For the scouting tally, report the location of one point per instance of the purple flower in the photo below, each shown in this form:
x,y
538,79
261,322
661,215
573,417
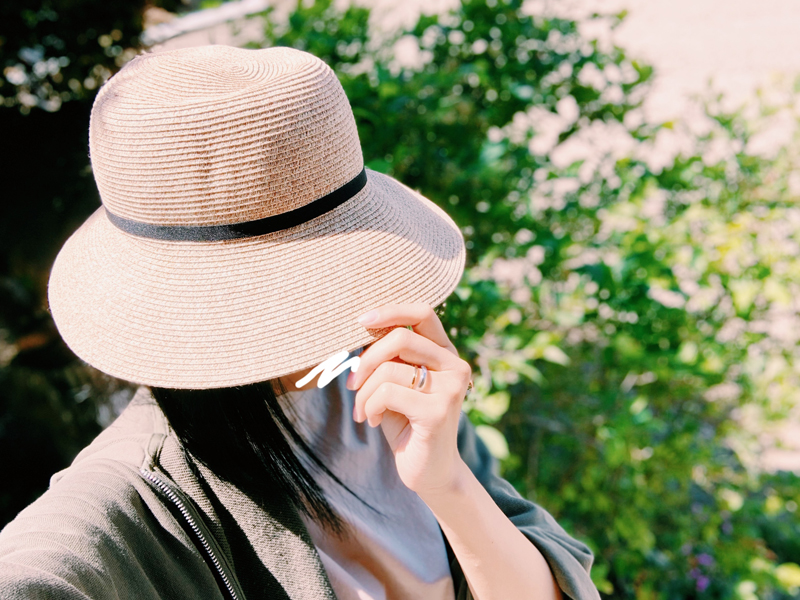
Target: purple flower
x,y
727,528
695,573
705,559
702,583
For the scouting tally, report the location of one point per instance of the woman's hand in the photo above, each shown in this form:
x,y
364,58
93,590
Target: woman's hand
x,y
420,425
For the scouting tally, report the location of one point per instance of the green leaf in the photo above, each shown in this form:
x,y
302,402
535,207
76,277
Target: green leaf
x,y
494,440
556,355
788,575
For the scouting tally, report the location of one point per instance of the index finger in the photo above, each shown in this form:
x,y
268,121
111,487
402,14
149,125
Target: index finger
x,y
421,316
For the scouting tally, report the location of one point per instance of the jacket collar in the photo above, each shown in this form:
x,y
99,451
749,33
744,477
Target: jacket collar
x,y
268,548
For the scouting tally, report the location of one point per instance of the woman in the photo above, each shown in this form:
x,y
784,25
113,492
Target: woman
x,y
239,239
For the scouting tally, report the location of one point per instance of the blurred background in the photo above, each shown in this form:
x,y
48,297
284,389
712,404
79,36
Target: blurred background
x,y
625,175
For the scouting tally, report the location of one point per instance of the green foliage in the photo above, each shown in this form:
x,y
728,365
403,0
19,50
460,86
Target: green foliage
x,y
630,318
54,55
616,310
55,51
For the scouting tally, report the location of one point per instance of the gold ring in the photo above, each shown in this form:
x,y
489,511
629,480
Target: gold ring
x,y
422,379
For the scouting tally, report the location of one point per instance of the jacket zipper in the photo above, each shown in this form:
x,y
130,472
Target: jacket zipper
x,y
169,493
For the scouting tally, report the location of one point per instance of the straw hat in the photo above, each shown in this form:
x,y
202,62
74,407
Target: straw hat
x,y
239,235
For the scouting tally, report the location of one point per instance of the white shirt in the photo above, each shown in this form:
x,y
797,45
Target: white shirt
x,y
401,556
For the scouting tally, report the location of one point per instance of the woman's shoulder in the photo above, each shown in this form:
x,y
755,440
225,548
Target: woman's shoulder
x,y
99,531
105,473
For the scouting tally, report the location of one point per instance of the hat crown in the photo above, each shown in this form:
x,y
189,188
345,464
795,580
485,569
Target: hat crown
x,y
216,135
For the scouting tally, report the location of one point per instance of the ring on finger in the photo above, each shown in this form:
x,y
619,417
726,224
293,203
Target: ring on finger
x,y
418,386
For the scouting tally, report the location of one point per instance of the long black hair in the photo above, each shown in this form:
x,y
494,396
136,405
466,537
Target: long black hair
x,y
243,435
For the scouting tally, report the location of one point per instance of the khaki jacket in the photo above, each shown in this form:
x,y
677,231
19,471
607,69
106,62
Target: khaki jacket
x,y
130,519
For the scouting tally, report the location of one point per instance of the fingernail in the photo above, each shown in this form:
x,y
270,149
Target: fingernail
x,y
369,317
350,379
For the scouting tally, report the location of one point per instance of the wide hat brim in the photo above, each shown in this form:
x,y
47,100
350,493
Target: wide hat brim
x,y
200,315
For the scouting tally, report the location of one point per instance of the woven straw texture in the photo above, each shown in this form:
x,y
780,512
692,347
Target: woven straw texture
x,y
218,135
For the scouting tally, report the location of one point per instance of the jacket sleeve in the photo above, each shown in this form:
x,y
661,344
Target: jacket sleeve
x,y
569,559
